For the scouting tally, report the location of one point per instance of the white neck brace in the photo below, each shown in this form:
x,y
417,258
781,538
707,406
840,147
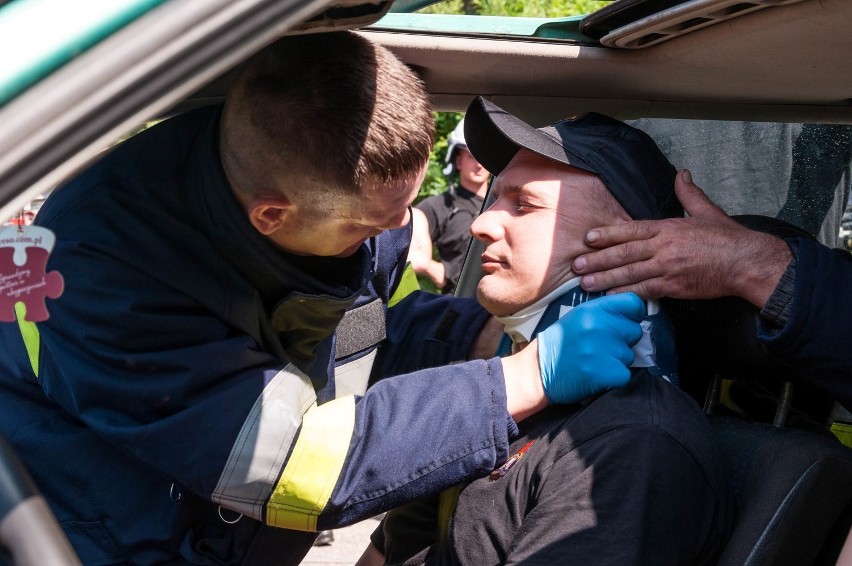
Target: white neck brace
x,y
521,325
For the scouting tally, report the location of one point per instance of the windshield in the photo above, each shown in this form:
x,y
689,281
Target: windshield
x,y
796,172
558,20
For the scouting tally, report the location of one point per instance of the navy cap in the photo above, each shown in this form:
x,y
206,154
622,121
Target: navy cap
x,y
627,160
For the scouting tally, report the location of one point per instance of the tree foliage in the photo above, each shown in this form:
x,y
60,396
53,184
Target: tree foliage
x,y
435,181
517,8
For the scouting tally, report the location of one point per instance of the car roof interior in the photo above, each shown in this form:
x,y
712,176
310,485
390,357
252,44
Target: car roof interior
x,y
786,62
755,60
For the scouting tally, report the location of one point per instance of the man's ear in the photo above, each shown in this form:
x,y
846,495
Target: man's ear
x,y
268,214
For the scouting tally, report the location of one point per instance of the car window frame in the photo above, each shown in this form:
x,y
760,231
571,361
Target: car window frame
x,y
55,127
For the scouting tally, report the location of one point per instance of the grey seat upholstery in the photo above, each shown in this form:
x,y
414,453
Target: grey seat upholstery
x,y
792,491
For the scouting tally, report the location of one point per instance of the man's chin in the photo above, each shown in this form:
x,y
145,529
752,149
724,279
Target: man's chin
x,y
490,300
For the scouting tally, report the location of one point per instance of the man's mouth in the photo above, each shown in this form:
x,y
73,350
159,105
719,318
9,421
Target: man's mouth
x,y
491,263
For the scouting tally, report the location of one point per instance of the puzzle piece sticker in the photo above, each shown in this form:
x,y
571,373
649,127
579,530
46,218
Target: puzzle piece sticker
x,y
23,277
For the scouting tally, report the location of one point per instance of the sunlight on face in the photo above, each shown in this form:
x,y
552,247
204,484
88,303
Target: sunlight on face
x,y
533,231
340,227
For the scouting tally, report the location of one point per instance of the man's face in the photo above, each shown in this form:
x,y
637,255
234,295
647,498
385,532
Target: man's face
x,y
533,231
340,227
472,175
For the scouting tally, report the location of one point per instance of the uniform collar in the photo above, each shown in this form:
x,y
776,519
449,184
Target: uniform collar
x,y
272,271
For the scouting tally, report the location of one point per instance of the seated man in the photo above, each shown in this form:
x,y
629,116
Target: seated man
x,y
632,476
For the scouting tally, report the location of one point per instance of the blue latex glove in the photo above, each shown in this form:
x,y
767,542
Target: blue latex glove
x,y
589,349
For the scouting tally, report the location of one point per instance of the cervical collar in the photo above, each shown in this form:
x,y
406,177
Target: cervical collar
x,y
655,350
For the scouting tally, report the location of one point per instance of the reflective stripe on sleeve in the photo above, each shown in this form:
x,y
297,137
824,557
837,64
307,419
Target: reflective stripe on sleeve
x,y
261,448
314,467
29,332
407,285
353,378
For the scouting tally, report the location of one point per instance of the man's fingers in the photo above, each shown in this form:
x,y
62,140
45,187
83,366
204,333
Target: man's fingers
x,y
639,278
606,236
626,355
646,289
627,305
608,272
626,310
615,256
693,199
654,257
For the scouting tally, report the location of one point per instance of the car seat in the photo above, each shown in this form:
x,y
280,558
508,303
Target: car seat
x,y
791,479
29,533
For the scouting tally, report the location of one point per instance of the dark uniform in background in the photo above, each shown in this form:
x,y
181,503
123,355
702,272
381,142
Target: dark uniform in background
x,y
450,215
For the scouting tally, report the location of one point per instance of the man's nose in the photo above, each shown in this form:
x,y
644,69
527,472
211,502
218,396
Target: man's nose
x,y
485,228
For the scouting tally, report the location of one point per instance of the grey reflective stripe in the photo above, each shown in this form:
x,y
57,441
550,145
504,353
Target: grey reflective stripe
x,y
267,435
352,378
261,448
360,329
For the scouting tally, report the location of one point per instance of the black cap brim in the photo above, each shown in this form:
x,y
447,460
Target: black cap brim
x,y
628,161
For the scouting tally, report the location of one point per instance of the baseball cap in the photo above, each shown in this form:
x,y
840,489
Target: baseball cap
x,y
627,159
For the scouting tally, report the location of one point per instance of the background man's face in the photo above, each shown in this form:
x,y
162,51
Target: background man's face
x,y
472,174
533,231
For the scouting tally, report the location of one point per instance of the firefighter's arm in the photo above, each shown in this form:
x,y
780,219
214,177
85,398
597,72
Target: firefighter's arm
x,y
420,252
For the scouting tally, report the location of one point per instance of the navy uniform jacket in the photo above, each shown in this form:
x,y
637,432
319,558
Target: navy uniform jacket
x,y
189,400
816,331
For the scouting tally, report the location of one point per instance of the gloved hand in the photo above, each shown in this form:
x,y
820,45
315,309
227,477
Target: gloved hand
x,y
588,350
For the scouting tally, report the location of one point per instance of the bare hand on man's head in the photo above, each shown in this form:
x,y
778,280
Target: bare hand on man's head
x,y
703,256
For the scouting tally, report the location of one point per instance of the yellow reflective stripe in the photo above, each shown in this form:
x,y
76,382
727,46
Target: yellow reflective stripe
x,y
314,466
843,432
447,503
260,451
726,399
407,285
29,332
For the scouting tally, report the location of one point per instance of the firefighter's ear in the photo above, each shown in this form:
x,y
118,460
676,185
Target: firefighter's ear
x,y
268,214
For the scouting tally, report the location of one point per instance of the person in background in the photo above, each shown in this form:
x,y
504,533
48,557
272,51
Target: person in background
x,y
446,218
632,476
